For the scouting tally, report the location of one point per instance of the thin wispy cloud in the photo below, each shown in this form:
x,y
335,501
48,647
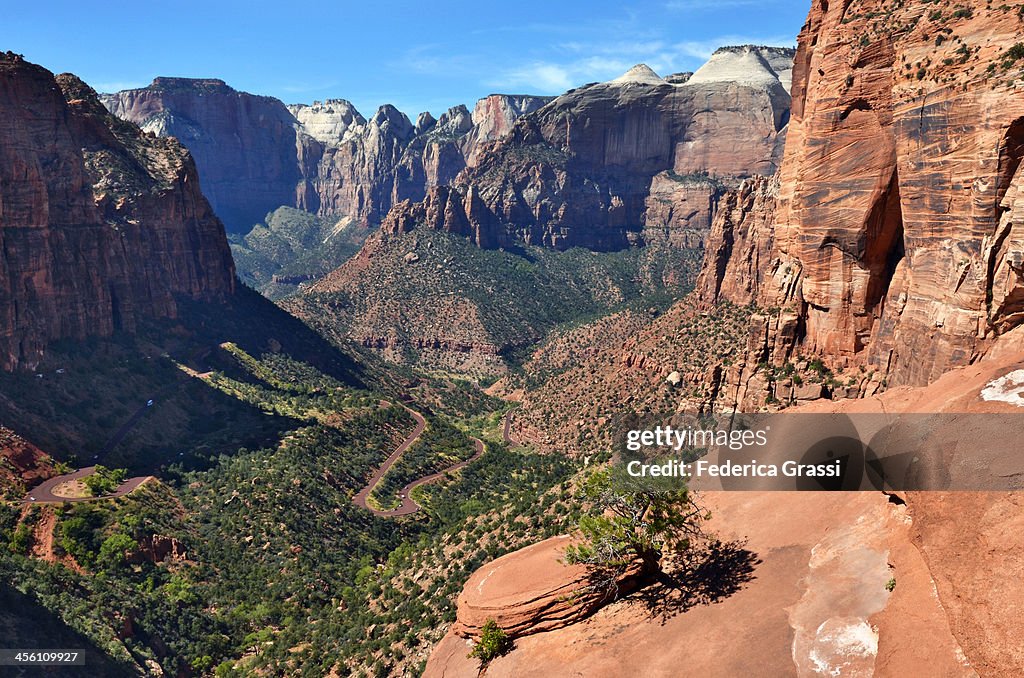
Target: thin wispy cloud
x,y
433,59
553,57
540,77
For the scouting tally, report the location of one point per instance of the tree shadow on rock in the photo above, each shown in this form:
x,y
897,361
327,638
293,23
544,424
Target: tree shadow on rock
x,y
703,576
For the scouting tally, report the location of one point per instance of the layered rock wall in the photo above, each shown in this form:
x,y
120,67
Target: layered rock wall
x,y
608,165
256,154
100,223
246,147
896,232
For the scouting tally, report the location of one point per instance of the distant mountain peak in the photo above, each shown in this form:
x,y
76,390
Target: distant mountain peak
x,y
761,49
198,84
749,65
641,74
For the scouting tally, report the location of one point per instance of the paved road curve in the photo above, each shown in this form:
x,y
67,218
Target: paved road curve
x,y
421,425
43,493
408,506
506,433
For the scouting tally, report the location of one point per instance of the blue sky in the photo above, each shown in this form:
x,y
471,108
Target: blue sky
x,y
416,55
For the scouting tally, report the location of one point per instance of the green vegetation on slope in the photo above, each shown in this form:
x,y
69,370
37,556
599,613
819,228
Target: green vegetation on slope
x,y
291,247
83,393
583,385
256,560
454,301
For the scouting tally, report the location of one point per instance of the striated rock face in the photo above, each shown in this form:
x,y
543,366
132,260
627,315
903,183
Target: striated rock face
x,y
680,209
897,230
739,244
593,168
353,177
246,147
737,98
494,116
600,164
530,591
890,249
100,224
256,154
747,64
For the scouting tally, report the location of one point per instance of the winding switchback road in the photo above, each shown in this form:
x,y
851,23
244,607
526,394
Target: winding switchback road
x,y
408,506
43,493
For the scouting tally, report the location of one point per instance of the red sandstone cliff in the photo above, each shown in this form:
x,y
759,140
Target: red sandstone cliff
x,y
738,247
896,237
100,224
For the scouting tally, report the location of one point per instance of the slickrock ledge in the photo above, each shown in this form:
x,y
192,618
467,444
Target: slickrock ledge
x,y
816,603
530,591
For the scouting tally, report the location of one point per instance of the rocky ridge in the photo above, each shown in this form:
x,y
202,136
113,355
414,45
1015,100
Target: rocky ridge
x,y
635,161
256,154
101,223
433,299
610,164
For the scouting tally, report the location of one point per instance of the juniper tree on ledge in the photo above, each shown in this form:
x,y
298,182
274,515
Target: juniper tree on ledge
x,y
632,522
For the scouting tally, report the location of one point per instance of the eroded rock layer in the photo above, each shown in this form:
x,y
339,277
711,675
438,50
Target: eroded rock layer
x,y
100,223
256,154
609,164
530,591
897,240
